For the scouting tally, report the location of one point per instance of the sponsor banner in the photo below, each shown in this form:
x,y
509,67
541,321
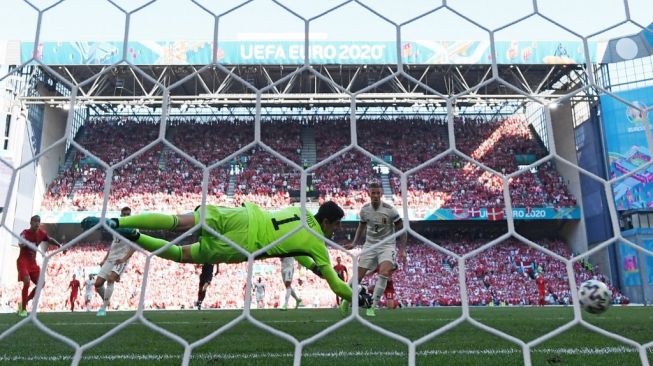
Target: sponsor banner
x,y
648,244
625,137
320,52
426,214
630,265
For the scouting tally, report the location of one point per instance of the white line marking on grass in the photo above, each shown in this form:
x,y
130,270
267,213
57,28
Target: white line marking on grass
x,y
226,321
260,355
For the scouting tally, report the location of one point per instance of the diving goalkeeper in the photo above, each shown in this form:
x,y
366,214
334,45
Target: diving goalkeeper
x,y
249,227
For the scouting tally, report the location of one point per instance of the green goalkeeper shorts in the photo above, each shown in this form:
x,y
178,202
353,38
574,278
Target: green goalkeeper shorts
x,y
233,224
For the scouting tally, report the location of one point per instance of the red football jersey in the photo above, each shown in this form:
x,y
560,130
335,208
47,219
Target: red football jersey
x,y
33,237
74,286
340,270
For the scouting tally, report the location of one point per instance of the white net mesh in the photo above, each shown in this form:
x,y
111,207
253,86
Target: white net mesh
x,y
538,14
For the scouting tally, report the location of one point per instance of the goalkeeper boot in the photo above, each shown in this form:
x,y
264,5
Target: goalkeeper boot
x,y
370,312
344,307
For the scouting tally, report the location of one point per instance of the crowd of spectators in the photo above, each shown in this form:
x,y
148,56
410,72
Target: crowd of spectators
x,y
163,179
501,275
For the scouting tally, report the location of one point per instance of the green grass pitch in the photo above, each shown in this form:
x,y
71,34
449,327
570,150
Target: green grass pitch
x,y
352,344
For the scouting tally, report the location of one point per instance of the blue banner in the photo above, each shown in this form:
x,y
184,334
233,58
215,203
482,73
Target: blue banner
x,y
627,147
426,214
629,265
320,52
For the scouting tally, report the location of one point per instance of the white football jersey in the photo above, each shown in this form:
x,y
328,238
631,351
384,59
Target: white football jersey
x,y
260,288
380,222
118,250
89,286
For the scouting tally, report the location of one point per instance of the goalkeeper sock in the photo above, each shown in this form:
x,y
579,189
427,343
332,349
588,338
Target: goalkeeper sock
x,y
151,244
379,289
150,221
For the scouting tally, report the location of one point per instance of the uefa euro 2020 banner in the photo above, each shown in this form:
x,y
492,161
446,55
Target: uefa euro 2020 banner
x,y
421,214
432,52
625,136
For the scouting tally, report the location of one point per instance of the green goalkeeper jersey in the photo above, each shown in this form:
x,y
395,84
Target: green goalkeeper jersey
x,y
309,250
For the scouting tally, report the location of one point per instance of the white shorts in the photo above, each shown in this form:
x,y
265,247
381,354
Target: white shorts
x,y
287,274
88,296
109,267
259,297
370,259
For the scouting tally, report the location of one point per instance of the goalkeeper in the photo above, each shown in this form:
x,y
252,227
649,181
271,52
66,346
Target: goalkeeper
x,y
249,227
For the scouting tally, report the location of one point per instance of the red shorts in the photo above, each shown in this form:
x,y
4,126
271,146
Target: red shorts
x,y
73,295
28,268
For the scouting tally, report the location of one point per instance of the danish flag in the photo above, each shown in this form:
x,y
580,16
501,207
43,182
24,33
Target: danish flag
x,y
494,213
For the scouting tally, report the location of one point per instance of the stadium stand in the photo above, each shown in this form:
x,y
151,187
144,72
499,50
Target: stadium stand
x,y
503,275
257,176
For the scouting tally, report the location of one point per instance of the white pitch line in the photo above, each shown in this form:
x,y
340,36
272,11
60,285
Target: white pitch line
x,y
262,355
264,321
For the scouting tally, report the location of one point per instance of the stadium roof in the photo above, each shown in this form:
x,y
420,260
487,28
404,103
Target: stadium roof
x,y
326,85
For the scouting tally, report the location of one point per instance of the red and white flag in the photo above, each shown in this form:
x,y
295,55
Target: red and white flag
x,y
460,213
494,213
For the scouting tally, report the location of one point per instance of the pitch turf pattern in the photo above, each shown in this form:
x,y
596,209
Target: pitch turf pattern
x,y
353,344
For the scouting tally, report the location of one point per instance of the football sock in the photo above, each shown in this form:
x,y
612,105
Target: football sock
x,y
107,294
23,295
201,295
30,296
151,244
379,288
293,294
150,221
100,290
287,296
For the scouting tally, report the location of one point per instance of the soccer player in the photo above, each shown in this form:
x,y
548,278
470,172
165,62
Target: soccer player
x,y
113,265
287,272
259,288
247,226
540,289
378,220
26,262
390,295
205,280
74,288
88,295
342,273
